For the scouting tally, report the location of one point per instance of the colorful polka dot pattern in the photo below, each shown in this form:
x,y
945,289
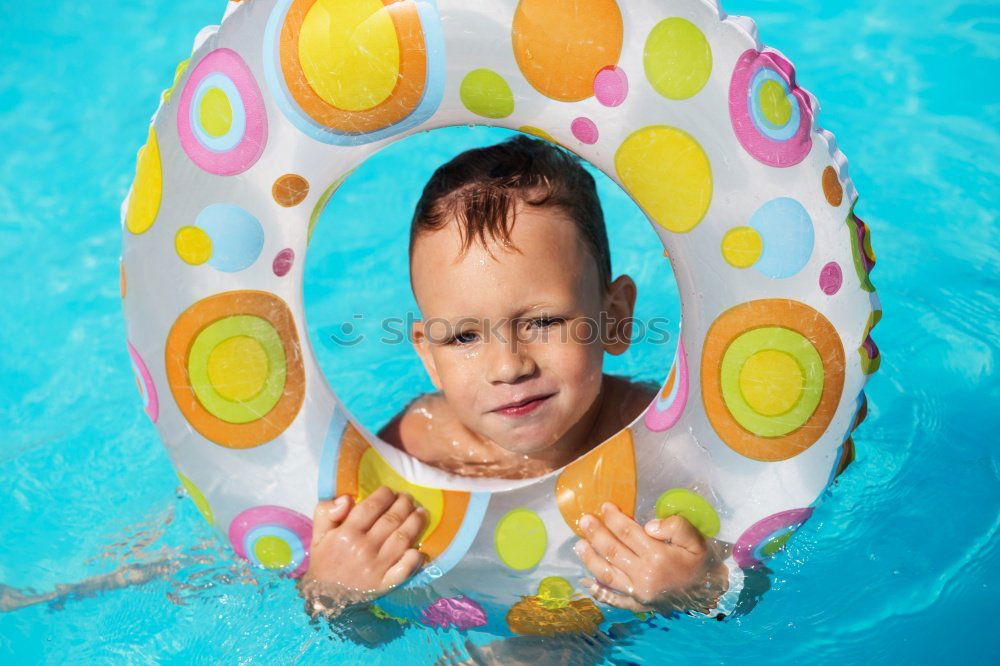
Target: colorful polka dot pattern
x,y
677,59
670,402
770,114
356,72
772,373
767,536
273,538
235,369
777,240
143,380
204,508
221,121
560,53
225,236
147,188
692,507
520,539
350,73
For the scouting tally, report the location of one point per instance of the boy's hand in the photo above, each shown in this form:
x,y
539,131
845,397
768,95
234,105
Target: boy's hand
x,y
359,553
666,566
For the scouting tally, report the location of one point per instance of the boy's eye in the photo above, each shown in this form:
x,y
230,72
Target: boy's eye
x,y
545,322
463,338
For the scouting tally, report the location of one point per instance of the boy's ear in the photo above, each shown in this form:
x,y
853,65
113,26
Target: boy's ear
x,y
620,304
422,345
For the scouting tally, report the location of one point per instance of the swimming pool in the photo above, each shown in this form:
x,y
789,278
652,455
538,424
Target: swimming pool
x,y
895,565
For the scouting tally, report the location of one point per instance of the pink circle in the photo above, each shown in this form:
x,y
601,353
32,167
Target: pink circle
x,y
611,86
272,521
149,398
758,534
666,411
831,278
226,155
460,612
585,130
777,152
283,262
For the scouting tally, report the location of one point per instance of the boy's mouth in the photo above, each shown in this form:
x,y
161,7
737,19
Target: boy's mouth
x,y
522,407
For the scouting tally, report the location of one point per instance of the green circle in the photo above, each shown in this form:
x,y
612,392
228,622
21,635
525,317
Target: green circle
x,y
775,106
198,498
677,58
485,93
774,545
781,339
554,592
272,552
520,539
690,505
219,331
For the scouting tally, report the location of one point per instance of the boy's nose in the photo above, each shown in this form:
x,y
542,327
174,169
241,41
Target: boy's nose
x,y
509,361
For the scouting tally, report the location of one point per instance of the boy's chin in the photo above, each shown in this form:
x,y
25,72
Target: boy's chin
x,y
526,444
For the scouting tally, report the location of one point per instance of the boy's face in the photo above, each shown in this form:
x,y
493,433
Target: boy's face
x,y
518,325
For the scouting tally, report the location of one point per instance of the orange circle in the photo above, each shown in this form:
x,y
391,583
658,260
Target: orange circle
x,y
289,190
832,188
183,334
121,276
792,315
410,82
561,47
352,448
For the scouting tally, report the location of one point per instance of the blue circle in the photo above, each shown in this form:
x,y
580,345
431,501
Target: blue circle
x,y
232,138
286,535
763,125
786,229
237,236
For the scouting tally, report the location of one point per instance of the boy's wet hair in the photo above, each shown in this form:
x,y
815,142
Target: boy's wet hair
x,y
481,187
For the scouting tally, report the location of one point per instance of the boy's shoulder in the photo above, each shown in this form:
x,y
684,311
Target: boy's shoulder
x,y
420,426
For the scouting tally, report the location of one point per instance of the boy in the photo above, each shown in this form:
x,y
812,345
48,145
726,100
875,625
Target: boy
x,y
510,267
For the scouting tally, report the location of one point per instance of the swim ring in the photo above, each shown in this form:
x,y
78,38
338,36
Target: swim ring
x,y
708,132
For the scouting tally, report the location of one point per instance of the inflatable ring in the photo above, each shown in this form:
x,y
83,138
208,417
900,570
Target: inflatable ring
x,y
705,129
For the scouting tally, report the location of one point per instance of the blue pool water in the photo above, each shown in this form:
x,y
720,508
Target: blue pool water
x,y
896,565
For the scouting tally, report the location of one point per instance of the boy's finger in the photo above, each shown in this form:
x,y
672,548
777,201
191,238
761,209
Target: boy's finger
x,y
607,574
677,531
392,518
607,544
612,598
404,568
368,510
329,515
627,530
403,538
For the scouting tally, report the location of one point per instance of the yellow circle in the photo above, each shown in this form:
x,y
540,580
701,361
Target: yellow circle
x,y
677,58
193,245
215,113
520,539
771,382
237,368
198,498
774,104
272,552
349,52
668,174
374,471
741,246
554,592
486,93
147,188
